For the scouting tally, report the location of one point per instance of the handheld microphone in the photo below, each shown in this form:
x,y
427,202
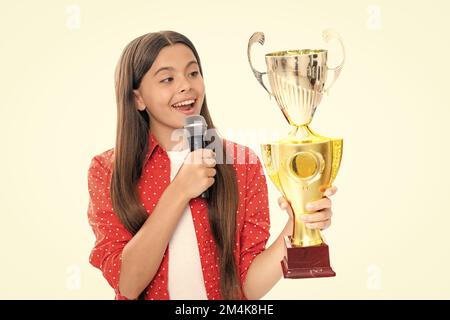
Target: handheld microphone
x,y
196,127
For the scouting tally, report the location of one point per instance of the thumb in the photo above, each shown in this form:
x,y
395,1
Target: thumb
x,y
284,205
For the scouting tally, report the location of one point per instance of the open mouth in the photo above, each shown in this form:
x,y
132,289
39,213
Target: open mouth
x,y
184,105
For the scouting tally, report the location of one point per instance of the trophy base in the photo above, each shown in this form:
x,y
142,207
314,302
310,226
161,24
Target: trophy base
x,y
306,262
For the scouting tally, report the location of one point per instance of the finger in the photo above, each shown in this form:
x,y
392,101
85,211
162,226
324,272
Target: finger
x,y
327,225
321,204
330,191
319,225
208,153
318,216
209,162
289,210
210,182
284,205
211,172
197,156
282,202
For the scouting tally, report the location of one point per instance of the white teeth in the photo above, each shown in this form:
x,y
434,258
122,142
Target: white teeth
x,y
183,103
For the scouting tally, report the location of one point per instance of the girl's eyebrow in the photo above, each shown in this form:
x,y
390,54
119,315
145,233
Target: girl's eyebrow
x,y
172,68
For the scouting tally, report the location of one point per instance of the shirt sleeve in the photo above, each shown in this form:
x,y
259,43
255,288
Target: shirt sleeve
x,y
256,226
110,234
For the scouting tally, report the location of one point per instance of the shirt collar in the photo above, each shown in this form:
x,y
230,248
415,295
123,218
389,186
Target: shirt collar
x,y
153,144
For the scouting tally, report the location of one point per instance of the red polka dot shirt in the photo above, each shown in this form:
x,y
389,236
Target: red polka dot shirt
x,y
252,230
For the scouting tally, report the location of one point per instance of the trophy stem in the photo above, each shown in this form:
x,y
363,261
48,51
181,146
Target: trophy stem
x,y
304,134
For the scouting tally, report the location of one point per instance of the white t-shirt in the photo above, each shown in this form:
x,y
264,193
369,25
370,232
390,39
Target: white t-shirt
x,y
185,269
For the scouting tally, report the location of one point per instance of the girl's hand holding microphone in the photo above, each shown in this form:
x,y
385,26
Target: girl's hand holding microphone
x,y
196,174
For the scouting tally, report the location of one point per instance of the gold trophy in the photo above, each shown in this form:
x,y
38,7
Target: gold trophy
x,y
303,164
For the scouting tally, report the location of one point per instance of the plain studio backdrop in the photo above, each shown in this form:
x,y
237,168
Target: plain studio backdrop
x,y
390,233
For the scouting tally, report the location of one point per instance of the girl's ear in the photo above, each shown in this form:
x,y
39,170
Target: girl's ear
x,y
140,105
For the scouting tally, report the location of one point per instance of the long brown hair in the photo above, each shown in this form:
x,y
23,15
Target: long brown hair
x,y
132,145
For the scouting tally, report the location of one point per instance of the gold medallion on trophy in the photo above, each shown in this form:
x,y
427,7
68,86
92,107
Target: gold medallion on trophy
x,y
304,164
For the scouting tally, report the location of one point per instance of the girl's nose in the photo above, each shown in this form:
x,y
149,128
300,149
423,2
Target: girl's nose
x,y
184,85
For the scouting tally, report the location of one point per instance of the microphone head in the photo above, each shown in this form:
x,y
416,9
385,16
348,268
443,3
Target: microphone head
x,y
195,124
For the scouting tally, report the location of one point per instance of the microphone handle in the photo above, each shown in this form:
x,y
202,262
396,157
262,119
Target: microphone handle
x,y
196,142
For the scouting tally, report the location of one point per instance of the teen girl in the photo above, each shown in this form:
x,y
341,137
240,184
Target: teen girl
x,y
156,238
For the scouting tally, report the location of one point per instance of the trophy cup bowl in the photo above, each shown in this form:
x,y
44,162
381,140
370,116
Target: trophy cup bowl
x,y
304,164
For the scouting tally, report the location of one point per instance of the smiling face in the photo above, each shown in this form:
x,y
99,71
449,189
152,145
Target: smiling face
x,y
171,89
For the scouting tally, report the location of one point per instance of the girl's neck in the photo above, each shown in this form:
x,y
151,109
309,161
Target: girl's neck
x,y
166,139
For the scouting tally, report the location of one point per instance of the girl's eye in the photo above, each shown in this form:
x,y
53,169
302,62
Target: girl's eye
x,y
170,78
167,80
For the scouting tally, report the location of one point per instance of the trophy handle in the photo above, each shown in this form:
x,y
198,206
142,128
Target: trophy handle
x,y
256,37
327,36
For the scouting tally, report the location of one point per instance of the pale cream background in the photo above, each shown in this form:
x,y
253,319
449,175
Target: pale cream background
x,y
390,233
